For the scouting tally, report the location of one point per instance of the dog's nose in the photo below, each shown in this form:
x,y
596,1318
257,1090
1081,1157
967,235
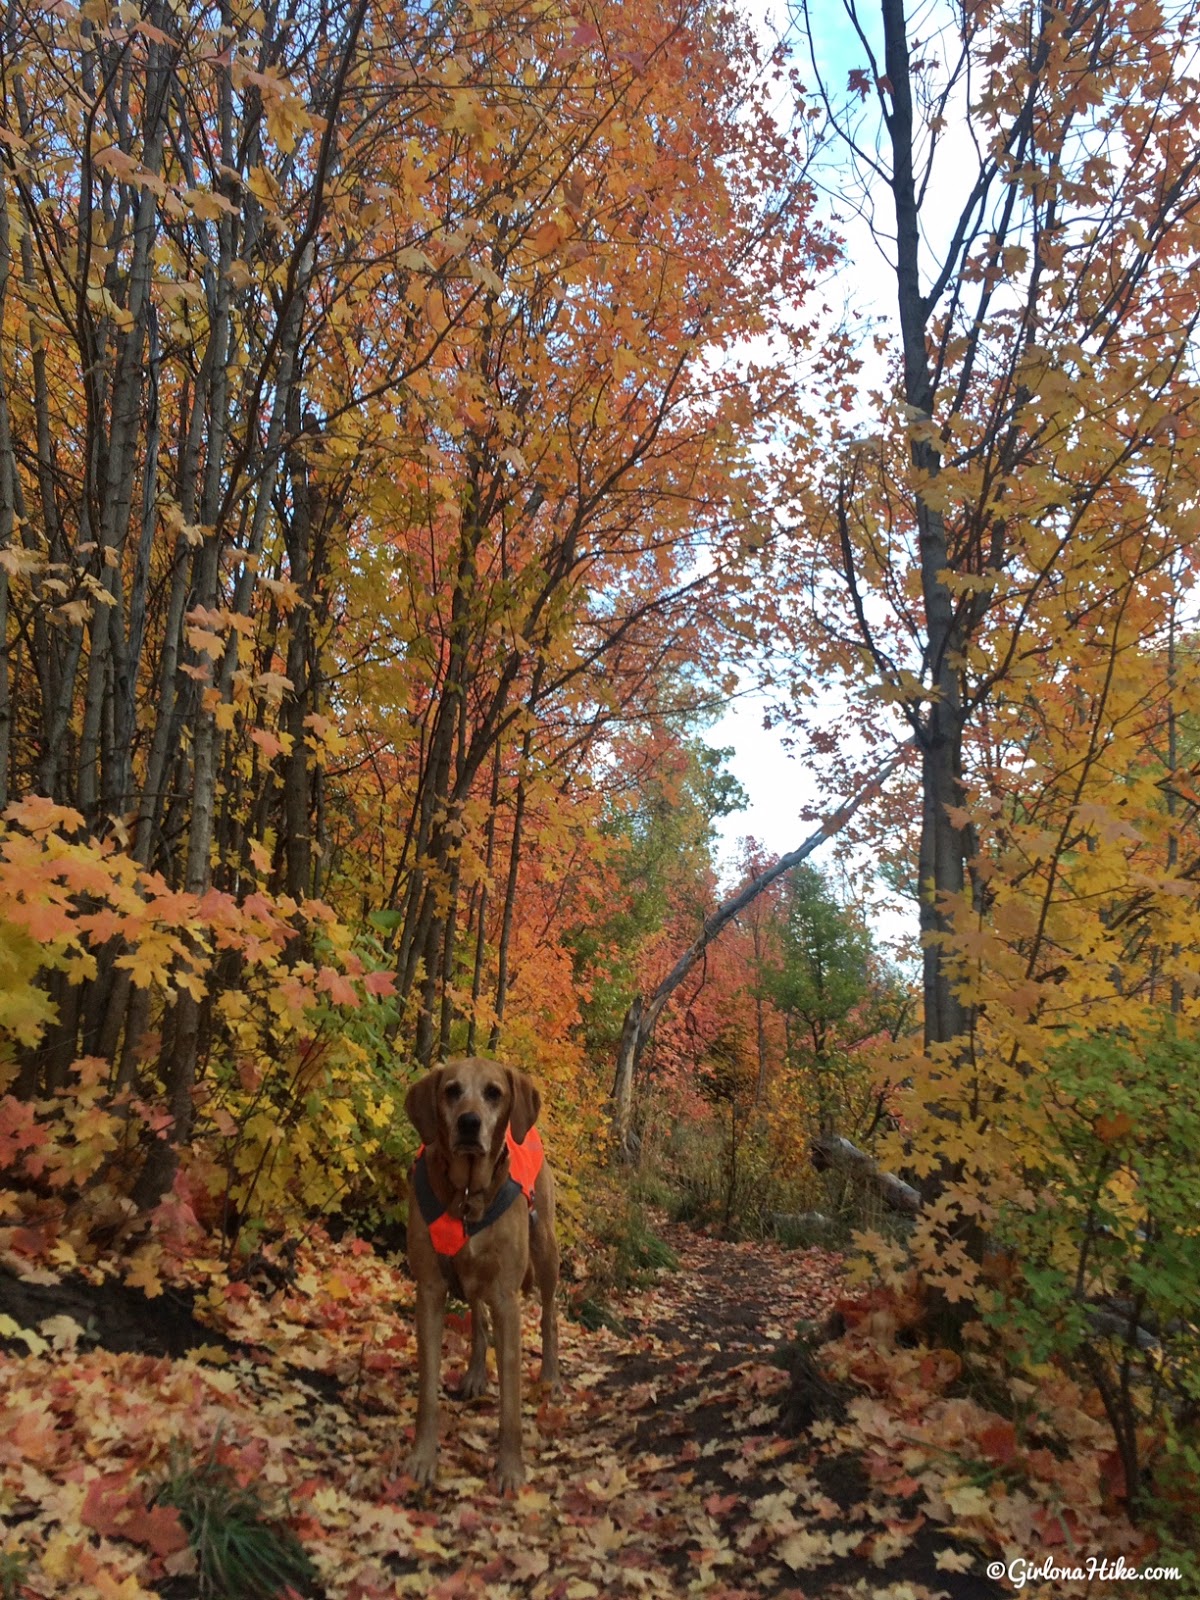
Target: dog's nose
x,y
468,1125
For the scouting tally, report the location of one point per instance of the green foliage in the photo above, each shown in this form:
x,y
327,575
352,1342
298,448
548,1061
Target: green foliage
x,y
801,1230
14,1569
823,970
624,1253
1107,1248
665,828
634,1252
835,993
641,1253
241,1553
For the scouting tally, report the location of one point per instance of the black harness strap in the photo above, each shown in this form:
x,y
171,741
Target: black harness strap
x,y
432,1209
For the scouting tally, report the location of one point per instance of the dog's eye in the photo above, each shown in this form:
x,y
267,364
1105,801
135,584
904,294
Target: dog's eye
x,y
453,1091
493,1094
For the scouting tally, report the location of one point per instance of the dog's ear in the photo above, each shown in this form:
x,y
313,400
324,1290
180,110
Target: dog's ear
x,y
420,1103
526,1103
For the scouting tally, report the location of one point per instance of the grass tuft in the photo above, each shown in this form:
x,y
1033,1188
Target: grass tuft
x,y
241,1552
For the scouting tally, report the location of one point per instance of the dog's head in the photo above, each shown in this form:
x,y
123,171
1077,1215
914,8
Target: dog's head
x,y
463,1108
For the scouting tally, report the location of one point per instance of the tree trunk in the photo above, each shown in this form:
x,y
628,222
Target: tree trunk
x,y
510,894
942,854
8,480
481,908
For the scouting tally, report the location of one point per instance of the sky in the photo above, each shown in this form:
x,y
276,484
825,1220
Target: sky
x,y
780,783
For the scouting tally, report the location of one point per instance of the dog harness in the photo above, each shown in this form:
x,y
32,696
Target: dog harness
x,y
448,1234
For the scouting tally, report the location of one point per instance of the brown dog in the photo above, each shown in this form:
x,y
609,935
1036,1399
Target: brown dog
x,y
473,1230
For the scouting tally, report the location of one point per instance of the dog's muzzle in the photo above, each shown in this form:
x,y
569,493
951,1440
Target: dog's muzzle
x,y
466,1131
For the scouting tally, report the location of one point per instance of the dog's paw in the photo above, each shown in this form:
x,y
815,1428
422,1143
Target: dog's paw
x,y
421,1467
473,1385
510,1474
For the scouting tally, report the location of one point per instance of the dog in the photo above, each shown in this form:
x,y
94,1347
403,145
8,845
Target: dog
x,y
480,1222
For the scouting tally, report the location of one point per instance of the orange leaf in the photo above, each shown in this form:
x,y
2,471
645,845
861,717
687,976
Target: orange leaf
x,y
339,989
159,1529
1111,1129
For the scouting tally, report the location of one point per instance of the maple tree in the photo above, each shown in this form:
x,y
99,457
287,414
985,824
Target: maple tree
x,y
1004,516
989,541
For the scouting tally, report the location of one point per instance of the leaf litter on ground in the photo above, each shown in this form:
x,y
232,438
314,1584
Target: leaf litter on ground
x,y
661,1469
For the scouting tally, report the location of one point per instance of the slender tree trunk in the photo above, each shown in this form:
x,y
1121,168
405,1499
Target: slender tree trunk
x,y
482,908
760,1022
114,463
8,481
942,848
300,531
510,892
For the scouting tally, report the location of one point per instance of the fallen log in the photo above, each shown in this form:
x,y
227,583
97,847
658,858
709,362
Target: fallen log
x,y
831,1150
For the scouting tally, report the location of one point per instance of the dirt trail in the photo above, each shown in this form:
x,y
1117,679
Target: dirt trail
x,y
740,1509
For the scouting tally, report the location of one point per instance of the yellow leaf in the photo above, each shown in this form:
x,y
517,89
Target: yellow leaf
x,y
464,115
9,1329
968,1500
953,1561
210,1353
223,1382
285,120
143,1271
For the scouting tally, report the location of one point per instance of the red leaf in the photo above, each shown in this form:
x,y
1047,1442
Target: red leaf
x,y
339,989
110,1503
1110,1129
998,1442
720,1505
159,1530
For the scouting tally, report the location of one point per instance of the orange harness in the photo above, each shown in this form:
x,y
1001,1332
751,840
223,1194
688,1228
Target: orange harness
x,y
448,1234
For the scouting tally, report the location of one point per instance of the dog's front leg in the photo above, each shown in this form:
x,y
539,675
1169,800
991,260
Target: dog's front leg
x,y
506,1319
474,1382
431,1314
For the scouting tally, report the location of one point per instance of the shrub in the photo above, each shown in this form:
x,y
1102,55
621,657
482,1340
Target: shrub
x,y
624,1253
1106,1251
745,1193
14,1569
